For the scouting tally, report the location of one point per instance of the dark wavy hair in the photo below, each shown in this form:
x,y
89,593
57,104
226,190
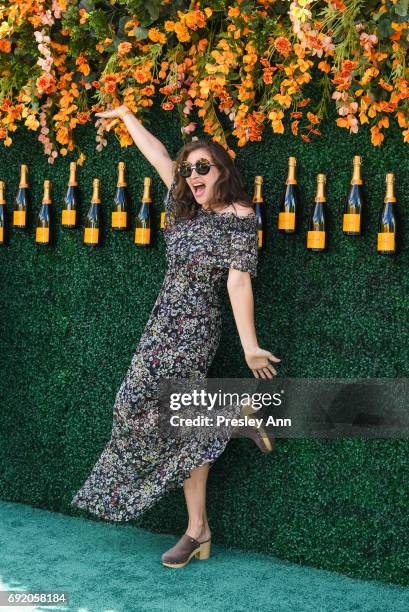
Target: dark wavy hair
x,y
228,188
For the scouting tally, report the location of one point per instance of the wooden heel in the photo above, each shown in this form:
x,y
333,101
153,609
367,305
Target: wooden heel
x,y
247,410
204,552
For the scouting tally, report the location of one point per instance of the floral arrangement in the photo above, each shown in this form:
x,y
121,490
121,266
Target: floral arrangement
x,y
236,67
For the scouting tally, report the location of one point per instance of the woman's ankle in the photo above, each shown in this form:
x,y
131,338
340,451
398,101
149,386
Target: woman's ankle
x,y
199,531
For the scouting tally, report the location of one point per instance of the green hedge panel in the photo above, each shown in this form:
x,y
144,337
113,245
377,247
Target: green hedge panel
x,y
71,318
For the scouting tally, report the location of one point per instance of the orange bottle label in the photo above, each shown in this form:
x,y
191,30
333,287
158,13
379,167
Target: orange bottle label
x,y
386,241
19,217
286,220
260,237
1,234
162,220
42,234
91,235
119,218
352,222
68,216
315,239
142,235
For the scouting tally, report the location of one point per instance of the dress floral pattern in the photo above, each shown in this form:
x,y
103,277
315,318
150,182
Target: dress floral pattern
x,y
138,465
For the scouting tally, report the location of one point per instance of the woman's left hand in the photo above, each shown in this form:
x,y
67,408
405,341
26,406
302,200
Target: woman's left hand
x,y
258,361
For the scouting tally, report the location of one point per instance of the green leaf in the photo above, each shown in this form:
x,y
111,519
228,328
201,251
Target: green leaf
x,y
384,28
153,10
121,27
401,7
88,5
141,32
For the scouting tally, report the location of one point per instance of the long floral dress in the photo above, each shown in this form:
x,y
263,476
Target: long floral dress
x,y
138,464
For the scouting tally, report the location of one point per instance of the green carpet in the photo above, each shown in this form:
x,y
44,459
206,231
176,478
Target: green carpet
x,y
108,567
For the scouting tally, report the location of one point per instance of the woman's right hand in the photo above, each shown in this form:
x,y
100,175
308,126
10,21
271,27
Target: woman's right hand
x,y
113,112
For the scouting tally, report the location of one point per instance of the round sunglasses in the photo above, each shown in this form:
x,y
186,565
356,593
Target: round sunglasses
x,y
202,167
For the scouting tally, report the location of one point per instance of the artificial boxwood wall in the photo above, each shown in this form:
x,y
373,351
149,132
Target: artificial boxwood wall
x,y
72,316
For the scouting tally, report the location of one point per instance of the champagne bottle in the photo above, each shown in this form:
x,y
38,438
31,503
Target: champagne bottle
x,y
69,213
119,212
289,205
387,219
91,229
2,214
143,220
353,207
21,201
43,218
316,226
259,209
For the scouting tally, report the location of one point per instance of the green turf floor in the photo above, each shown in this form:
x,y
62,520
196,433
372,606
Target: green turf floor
x,y
110,567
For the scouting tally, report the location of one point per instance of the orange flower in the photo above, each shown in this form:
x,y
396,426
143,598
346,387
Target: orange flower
x,y
294,127
283,45
383,122
283,99
376,136
46,83
312,118
148,90
141,76
167,105
181,32
233,11
385,85
156,36
5,46
63,135
324,66
195,20
82,64
401,119
124,48
169,26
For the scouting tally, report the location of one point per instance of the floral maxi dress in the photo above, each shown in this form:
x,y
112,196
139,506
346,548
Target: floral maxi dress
x,y
138,465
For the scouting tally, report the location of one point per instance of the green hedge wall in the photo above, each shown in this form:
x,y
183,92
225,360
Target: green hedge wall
x,y
71,318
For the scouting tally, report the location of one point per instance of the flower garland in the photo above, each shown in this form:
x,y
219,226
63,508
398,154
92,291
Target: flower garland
x,y
235,67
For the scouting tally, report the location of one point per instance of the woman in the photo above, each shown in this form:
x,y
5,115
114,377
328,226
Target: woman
x,y
210,232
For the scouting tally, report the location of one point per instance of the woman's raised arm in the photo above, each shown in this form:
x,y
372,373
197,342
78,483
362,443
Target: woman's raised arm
x,y
152,148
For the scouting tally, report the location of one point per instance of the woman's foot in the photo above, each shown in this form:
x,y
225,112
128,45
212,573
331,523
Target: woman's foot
x,y
187,547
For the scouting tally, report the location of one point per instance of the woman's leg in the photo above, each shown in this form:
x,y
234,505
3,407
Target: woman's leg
x,y
195,494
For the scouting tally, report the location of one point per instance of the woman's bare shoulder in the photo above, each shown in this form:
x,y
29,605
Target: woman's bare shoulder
x,y
242,209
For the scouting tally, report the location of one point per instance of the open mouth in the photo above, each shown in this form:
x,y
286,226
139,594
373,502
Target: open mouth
x,y
199,189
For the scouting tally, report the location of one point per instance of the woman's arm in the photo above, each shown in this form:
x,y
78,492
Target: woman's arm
x,y
241,297
152,148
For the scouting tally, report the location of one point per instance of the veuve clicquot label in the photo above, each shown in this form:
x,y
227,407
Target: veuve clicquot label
x,y
162,219
316,234
21,201
386,243
91,228
143,220
119,218
69,212
2,213
43,218
289,204
351,224
258,202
